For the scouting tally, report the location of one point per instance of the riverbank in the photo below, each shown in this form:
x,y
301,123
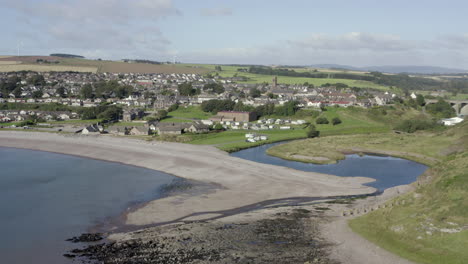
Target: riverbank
x,y
425,148
240,182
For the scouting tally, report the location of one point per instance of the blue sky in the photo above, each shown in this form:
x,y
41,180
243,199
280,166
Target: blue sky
x,y
358,32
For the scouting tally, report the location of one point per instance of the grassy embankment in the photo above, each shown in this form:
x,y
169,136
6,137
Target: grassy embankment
x,y
430,226
230,71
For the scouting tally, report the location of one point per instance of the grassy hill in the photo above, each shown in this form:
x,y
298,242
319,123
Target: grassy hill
x,y
432,225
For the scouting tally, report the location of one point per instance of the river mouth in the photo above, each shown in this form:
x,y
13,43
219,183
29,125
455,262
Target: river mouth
x,y
387,171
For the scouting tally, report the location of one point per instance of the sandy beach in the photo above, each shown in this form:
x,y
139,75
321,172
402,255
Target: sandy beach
x,y
240,182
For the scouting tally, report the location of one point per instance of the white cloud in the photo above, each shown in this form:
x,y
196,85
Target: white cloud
x,y
113,27
453,42
354,40
355,48
216,11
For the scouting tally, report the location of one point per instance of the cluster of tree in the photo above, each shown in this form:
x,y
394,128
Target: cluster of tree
x,y
186,89
287,109
105,89
218,68
288,72
143,61
312,131
441,109
106,112
37,80
173,107
11,85
321,121
404,81
214,106
64,55
47,61
413,125
215,88
254,93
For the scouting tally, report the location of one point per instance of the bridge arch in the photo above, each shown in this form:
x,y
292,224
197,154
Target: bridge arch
x,y
463,109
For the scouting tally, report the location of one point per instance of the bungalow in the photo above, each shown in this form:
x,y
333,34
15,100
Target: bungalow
x,y
94,129
169,128
197,128
139,131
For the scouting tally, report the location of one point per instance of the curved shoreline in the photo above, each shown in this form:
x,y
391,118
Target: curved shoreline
x,y
244,182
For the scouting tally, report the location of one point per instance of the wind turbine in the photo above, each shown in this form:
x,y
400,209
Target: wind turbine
x,y
20,43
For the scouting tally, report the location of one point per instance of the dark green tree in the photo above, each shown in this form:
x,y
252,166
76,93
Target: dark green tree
x,y
254,93
312,131
37,80
420,100
213,88
37,94
161,114
441,109
322,121
86,91
173,107
336,121
186,89
61,92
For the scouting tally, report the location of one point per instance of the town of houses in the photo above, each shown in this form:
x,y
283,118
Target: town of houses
x,y
160,91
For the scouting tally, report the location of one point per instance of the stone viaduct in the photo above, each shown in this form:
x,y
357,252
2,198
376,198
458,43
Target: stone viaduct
x,y
460,106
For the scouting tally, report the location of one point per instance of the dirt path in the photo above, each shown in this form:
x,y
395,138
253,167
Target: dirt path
x,y
351,248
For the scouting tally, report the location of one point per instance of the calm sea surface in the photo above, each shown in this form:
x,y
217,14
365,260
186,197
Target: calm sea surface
x,y
387,171
46,198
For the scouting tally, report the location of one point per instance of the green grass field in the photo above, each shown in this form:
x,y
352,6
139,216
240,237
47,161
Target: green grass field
x,y
74,121
189,112
234,140
10,124
354,121
230,71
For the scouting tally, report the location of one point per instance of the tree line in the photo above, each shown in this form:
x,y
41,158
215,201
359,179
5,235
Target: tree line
x,y
214,106
288,72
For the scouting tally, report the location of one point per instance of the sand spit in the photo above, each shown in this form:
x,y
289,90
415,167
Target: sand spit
x,y
241,182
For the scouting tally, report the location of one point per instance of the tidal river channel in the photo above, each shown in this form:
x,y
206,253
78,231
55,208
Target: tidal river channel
x,y
387,171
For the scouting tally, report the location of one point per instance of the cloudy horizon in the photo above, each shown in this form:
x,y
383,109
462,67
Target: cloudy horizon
x,y
298,32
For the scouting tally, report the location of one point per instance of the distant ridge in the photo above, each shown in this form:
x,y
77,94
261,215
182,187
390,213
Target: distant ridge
x,y
64,55
416,69
395,69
